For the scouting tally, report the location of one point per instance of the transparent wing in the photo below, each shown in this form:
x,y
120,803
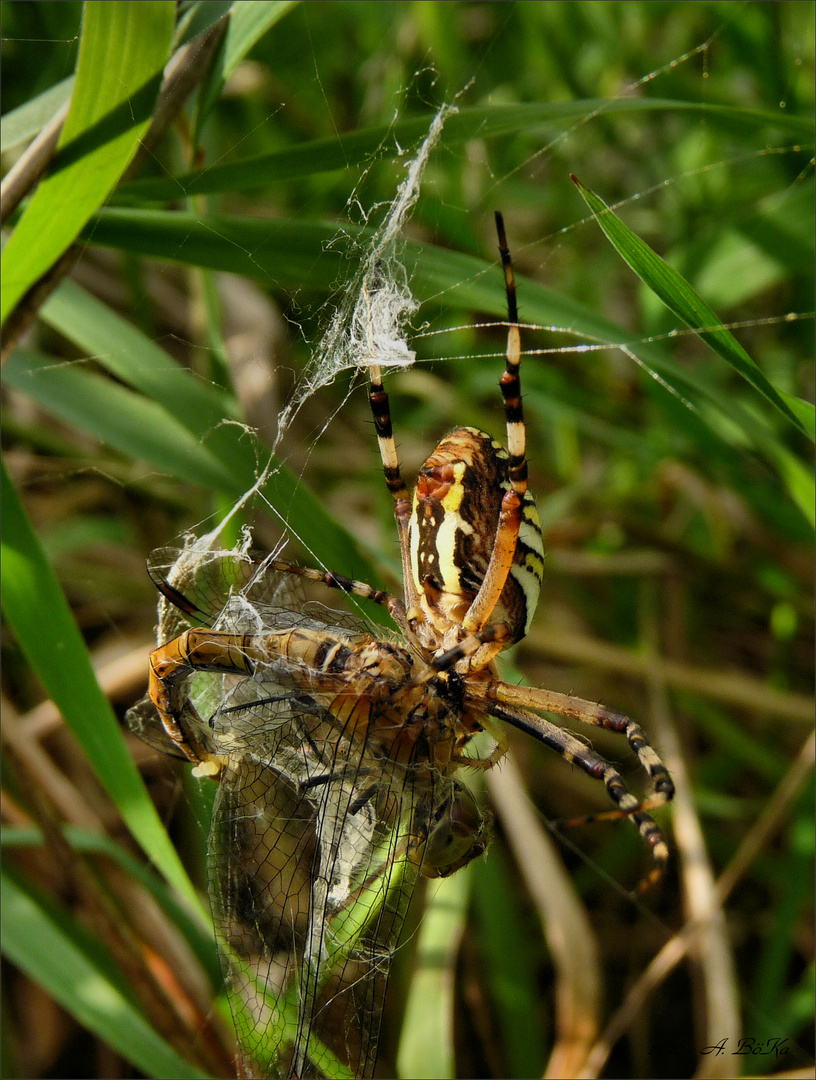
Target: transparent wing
x,y
143,720
197,585
310,885
228,590
309,867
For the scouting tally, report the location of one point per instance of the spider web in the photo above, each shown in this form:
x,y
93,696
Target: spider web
x,y
369,319
368,325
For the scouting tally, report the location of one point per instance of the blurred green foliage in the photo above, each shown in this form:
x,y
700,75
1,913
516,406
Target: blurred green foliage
x,y
676,498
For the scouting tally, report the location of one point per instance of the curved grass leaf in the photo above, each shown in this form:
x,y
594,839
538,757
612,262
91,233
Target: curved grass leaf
x,y
38,613
681,298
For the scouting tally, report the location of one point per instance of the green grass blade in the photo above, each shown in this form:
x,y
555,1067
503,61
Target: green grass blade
x,y
38,613
286,252
357,147
248,22
196,17
426,1042
681,298
131,356
197,934
49,947
291,252
231,457
804,411
511,961
798,477
119,418
795,892
122,53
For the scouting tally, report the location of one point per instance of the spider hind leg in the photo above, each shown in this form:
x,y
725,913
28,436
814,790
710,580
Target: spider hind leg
x,y
588,712
571,749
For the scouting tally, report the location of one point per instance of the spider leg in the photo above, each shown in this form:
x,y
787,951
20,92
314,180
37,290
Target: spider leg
x,y
479,648
492,638
498,569
381,411
510,381
181,727
394,606
577,753
516,507
347,672
528,697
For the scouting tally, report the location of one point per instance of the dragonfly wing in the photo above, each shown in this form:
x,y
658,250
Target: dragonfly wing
x,y
143,720
310,887
310,875
198,582
233,591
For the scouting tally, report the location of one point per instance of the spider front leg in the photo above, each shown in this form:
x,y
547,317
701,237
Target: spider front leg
x,y
381,411
222,652
472,548
351,586
171,666
517,517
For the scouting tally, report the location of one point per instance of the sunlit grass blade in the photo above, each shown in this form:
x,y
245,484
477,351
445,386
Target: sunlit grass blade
x,y
47,944
426,1042
798,477
135,359
111,107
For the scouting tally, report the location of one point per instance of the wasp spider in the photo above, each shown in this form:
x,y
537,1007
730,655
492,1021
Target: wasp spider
x,y
339,754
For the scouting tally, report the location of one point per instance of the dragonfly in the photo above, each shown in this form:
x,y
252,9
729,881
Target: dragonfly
x,y
341,754
319,829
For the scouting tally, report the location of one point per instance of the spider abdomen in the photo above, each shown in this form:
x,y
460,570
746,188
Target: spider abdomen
x,y
453,527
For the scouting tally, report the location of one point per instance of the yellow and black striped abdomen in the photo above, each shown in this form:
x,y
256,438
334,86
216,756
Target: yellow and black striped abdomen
x,y
453,532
